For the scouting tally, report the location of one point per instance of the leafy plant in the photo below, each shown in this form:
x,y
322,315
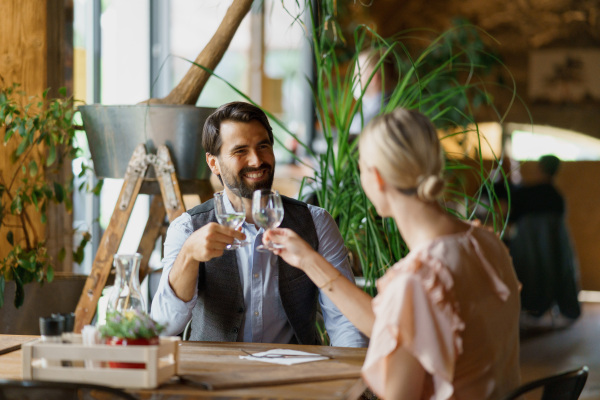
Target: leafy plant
x,y
42,134
445,80
440,80
131,324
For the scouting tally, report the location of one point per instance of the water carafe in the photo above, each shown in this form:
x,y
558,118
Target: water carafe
x,y
126,294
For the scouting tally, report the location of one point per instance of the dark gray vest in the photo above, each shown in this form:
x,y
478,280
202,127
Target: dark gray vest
x,y
219,312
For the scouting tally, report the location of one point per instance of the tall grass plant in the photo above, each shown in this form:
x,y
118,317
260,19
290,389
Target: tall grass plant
x,y
446,79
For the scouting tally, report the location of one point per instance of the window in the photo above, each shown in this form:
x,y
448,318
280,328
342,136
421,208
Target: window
x,y
530,142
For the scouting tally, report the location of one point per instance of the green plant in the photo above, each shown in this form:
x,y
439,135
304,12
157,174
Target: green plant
x,y
42,134
444,79
131,324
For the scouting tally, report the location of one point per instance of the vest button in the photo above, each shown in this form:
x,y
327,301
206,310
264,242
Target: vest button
x,y
241,310
236,330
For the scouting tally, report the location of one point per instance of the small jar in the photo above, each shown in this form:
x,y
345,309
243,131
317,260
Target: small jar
x,y
67,331
51,331
69,324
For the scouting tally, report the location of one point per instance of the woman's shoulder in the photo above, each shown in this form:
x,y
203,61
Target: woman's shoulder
x,y
422,267
442,257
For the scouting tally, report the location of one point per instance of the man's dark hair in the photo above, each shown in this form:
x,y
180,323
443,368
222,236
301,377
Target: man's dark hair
x,y
549,164
237,111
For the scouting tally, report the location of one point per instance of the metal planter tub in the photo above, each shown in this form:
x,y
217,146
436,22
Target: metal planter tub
x,y
113,133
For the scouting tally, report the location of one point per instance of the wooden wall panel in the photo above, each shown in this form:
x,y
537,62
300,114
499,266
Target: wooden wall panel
x,y
23,43
23,60
32,54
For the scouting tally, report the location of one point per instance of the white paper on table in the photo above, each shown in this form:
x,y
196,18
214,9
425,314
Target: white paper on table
x,y
295,359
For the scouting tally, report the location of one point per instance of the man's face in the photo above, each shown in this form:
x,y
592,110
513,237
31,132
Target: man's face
x,y
246,160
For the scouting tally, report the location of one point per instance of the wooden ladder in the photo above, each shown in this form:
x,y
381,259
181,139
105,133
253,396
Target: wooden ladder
x,y
169,202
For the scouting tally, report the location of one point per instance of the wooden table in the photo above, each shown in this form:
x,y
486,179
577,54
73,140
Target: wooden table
x,y
214,359
10,355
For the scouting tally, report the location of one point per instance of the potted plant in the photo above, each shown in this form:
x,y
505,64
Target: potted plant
x,y
42,133
130,328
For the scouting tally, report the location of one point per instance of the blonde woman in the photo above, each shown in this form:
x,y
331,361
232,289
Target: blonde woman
x,y
444,324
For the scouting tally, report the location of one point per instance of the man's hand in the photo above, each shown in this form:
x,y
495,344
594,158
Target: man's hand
x,y
210,241
203,245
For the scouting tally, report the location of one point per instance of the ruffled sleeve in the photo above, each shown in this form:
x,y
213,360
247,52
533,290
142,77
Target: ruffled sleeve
x,y
416,309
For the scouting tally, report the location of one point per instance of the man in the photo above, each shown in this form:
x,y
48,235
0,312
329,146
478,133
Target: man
x,y
542,252
245,295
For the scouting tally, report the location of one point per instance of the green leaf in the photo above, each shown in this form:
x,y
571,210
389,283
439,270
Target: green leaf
x,y
34,200
50,273
27,265
22,146
59,192
98,188
61,254
51,155
33,168
78,254
8,135
19,291
16,206
10,238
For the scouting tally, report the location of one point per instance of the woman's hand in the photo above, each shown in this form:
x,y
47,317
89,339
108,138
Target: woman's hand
x,y
294,247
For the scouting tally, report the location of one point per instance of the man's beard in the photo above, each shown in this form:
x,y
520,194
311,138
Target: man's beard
x,y
237,181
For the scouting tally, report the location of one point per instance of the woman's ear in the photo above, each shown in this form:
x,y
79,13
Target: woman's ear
x,y
213,164
378,179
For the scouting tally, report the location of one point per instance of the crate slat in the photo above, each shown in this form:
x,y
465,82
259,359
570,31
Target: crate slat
x,y
161,363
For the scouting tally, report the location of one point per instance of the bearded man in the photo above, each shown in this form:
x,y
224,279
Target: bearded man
x,y
244,295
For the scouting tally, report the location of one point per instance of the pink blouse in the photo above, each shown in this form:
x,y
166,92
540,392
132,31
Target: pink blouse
x,y
454,305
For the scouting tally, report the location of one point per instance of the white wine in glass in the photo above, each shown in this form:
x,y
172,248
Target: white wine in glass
x,y
267,212
231,218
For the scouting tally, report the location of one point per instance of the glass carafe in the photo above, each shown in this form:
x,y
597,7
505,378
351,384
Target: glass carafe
x,y
126,294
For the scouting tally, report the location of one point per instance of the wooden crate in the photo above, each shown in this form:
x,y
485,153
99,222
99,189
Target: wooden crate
x,y
160,360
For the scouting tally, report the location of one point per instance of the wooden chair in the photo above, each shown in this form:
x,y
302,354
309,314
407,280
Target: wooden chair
x,y
43,390
565,386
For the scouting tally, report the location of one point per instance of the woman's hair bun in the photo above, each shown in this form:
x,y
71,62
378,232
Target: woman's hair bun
x,y
430,188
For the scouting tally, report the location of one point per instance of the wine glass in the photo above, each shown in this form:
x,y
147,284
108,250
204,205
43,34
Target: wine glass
x,y
232,217
267,212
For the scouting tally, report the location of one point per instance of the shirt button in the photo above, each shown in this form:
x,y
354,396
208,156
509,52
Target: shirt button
x,y
255,312
236,330
256,275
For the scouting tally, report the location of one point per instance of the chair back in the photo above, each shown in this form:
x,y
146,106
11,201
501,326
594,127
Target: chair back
x,y
42,390
565,386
